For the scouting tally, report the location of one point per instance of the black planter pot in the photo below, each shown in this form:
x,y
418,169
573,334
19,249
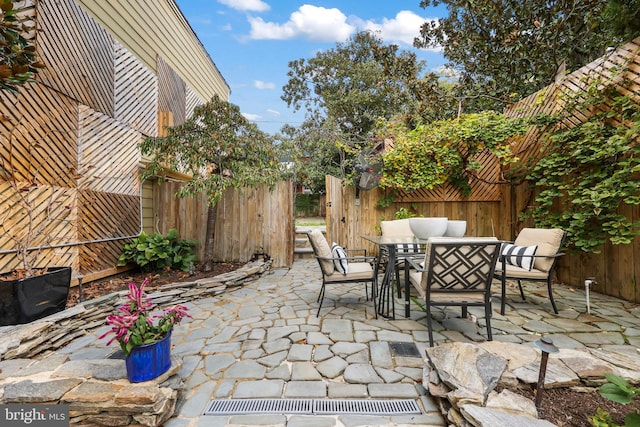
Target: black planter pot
x,y
35,297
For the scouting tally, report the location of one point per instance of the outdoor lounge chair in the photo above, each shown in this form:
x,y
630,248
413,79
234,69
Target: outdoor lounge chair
x,y
337,267
531,257
456,272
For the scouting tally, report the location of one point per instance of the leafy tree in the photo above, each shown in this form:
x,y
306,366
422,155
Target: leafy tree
x,y
18,60
314,147
621,20
507,49
219,149
345,90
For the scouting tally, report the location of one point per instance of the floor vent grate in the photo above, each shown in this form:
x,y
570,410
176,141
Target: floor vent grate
x,y
404,349
312,406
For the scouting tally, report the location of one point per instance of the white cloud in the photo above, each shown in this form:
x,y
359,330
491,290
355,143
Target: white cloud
x,y
274,112
259,84
402,29
252,117
309,22
248,5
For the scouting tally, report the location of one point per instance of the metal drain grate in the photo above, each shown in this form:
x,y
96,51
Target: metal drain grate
x,y
311,406
373,407
404,349
259,406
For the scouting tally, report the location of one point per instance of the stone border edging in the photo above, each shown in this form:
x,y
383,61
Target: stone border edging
x,y
53,332
465,377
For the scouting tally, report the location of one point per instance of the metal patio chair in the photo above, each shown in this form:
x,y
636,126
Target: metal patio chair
x,y
350,269
456,272
532,257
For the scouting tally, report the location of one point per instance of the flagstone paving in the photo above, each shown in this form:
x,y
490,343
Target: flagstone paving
x,y
263,340
286,351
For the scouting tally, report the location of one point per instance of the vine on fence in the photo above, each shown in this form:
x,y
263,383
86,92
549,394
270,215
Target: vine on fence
x,y
445,150
590,170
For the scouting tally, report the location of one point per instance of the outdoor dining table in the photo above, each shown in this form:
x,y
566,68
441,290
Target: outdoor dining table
x,y
385,300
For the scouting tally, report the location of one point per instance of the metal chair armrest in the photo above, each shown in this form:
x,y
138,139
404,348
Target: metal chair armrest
x,y
411,263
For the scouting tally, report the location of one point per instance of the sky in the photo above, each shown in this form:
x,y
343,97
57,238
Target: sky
x,y
252,42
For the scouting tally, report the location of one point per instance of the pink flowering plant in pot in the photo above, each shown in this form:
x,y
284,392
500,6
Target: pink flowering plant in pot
x,y
135,325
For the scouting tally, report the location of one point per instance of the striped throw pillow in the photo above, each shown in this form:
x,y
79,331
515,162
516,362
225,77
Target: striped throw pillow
x,y
341,264
520,256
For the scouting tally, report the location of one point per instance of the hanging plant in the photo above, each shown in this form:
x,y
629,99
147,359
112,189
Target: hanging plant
x,y
18,59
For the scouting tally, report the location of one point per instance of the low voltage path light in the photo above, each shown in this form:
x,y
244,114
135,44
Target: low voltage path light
x,y
546,345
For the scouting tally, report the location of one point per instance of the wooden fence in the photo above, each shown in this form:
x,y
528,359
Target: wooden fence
x,y
254,220
493,210
617,268
350,217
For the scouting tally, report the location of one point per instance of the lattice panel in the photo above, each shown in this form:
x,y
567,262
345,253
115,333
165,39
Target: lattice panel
x,y
78,54
193,100
171,92
27,17
484,186
548,100
136,93
99,256
108,154
58,257
37,216
105,215
38,137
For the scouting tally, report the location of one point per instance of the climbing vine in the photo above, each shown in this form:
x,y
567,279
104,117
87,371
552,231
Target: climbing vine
x,y
445,150
591,170
18,59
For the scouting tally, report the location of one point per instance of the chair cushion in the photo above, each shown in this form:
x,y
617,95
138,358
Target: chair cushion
x,y
548,241
396,228
321,249
357,271
520,273
341,264
521,256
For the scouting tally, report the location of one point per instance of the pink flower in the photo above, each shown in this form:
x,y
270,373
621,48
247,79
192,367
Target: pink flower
x,y
133,324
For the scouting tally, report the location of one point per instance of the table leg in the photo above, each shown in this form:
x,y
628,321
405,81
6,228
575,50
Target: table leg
x,y
386,301
407,292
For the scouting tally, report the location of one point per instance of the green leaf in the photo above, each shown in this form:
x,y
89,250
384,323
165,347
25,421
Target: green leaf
x,y
632,420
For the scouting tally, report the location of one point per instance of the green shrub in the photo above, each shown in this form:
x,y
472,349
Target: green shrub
x,y
617,390
155,252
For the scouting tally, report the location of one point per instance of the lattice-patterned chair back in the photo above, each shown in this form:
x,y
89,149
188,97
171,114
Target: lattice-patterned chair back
x,y
457,272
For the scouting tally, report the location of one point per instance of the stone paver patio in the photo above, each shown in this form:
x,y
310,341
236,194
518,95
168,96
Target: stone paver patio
x,y
263,340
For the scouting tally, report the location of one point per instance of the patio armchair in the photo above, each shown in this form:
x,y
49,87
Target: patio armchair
x,y
532,257
455,272
399,228
337,267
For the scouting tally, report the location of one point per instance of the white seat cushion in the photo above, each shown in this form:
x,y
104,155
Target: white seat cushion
x,y
357,271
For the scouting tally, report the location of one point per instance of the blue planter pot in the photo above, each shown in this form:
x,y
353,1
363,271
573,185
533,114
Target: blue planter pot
x,y
149,361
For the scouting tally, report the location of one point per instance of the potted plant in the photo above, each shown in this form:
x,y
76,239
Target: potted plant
x,y
144,337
